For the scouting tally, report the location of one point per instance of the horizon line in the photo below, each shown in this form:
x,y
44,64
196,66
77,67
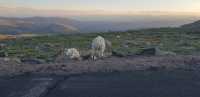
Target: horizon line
x,y
65,12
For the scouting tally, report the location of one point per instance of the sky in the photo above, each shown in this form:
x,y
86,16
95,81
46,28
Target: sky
x,y
106,6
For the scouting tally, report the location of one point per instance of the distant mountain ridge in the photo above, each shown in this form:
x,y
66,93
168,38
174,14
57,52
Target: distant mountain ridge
x,y
36,25
61,25
192,27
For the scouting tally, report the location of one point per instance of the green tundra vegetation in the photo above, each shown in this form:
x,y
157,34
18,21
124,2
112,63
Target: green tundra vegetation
x,y
128,42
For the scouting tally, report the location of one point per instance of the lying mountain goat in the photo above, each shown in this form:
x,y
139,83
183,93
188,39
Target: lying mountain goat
x,y
73,53
98,47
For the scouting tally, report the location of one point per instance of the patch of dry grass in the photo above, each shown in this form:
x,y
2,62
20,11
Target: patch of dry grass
x,y
7,37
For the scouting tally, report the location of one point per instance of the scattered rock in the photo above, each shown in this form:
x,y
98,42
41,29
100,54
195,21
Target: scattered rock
x,y
31,61
118,54
128,43
3,54
156,68
7,59
118,36
148,43
148,52
2,46
164,53
155,51
86,57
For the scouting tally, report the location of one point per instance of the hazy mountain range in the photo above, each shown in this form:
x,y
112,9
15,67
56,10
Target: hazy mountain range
x,y
192,27
58,25
20,20
35,25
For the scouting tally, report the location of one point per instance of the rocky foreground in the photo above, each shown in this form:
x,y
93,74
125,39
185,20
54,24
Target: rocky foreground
x,y
111,64
138,76
176,83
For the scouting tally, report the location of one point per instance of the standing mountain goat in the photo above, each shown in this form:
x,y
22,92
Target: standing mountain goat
x,y
98,47
73,53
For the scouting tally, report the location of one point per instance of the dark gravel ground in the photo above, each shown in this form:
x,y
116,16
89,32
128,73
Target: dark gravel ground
x,y
26,85
162,83
133,76
131,84
110,64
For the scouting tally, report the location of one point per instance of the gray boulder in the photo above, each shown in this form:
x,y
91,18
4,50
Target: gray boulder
x,y
148,52
31,61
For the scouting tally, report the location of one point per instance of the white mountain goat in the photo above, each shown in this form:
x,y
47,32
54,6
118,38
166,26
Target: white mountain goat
x,y
73,53
98,47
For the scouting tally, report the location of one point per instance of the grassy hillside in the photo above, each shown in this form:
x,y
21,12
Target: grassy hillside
x,y
47,47
36,25
192,27
7,37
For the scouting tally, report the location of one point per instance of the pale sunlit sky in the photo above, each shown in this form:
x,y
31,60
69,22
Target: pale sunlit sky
x,y
120,6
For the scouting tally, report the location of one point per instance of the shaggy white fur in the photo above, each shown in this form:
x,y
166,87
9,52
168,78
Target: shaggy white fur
x,y
73,53
98,47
